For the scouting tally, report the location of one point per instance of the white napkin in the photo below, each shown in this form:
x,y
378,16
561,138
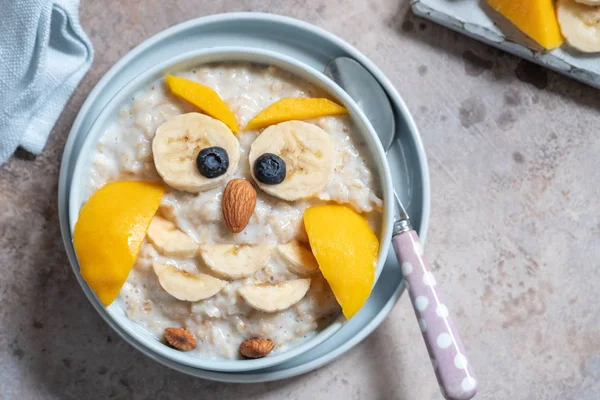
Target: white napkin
x,y
44,53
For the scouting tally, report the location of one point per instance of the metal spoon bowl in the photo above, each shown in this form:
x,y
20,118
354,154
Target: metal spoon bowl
x,y
374,102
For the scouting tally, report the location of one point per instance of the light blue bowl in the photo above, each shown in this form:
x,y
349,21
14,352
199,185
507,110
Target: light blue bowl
x,y
186,61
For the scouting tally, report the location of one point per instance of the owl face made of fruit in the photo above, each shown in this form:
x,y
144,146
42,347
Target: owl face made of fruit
x,y
199,152
289,159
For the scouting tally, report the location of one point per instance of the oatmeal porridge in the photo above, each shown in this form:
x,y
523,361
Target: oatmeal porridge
x,y
261,281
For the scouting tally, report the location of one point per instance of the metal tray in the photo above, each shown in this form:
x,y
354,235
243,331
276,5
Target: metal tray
x,y
473,18
310,45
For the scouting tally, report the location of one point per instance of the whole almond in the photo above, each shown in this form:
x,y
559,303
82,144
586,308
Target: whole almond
x,y
180,339
239,200
256,347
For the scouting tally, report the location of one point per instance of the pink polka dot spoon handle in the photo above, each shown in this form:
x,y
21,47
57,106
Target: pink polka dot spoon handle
x,y
452,369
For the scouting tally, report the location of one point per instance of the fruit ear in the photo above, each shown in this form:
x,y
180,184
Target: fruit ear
x,y
294,108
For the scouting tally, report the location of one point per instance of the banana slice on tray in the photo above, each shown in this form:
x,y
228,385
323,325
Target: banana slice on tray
x,y
292,160
589,2
299,258
186,286
274,297
178,143
580,24
235,261
169,240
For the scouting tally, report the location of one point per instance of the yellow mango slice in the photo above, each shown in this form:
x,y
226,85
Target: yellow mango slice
x,y
203,97
535,18
295,108
109,232
346,250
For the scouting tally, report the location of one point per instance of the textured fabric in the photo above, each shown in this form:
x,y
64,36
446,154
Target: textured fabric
x,y
44,53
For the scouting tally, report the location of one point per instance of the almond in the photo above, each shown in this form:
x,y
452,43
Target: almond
x,y
256,347
239,200
180,339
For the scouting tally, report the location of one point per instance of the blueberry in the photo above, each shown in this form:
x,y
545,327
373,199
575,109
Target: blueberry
x,y
212,162
269,169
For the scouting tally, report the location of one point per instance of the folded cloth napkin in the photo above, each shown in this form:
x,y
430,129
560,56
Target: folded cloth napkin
x,y
44,53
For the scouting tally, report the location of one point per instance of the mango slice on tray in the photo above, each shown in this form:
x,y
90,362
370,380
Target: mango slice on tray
x,y
203,97
110,229
295,108
346,250
535,18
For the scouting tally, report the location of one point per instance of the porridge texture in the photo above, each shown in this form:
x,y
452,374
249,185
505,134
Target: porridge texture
x,y
222,322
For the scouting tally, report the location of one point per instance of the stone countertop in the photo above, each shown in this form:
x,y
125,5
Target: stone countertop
x,y
514,234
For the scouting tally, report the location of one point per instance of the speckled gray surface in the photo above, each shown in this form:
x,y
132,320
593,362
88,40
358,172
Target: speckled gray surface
x,y
514,235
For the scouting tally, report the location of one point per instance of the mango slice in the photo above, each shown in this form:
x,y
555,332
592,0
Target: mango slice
x,y
535,18
294,108
109,233
346,250
203,97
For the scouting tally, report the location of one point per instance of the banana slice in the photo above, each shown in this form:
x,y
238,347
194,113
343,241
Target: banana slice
x,y
185,286
236,261
274,297
299,258
179,140
580,25
589,2
169,240
308,154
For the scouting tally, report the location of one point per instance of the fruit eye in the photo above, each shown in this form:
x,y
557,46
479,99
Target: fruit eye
x,y
212,162
269,169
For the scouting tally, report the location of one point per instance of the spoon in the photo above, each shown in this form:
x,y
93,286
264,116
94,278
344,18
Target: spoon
x,y
452,369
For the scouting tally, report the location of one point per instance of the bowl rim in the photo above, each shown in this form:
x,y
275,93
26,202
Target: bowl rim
x,y
231,54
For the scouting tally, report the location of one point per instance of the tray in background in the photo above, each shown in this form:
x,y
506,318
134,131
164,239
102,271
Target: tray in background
x,y
475,19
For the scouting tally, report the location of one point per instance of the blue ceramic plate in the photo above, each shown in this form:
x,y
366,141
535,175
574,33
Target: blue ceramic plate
x,y
314,47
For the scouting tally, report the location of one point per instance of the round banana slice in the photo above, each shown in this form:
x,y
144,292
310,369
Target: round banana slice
x,y
308,153
185,286
176,146
274,297
298,257
589,2
580,25
232,261
169,240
